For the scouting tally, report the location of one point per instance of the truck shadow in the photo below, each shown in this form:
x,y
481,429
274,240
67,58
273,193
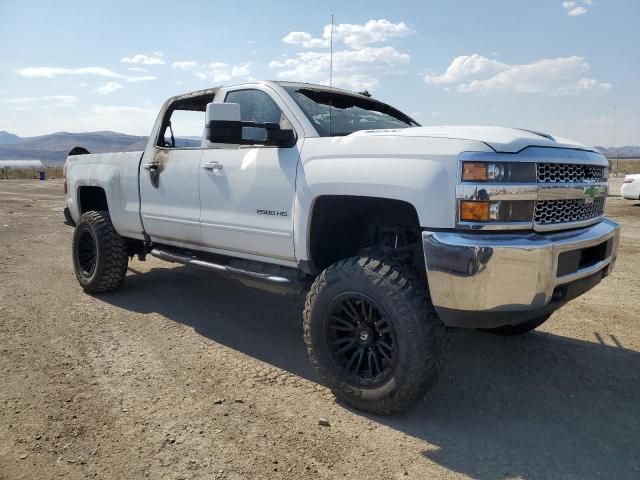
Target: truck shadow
x,y
538,406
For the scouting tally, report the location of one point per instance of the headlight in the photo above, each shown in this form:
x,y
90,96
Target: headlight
x,y
505,172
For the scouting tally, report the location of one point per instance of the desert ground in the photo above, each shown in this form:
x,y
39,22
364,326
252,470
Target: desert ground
x,y
182,374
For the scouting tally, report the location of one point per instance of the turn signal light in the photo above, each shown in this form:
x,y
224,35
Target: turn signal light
x,y
474,171
474,211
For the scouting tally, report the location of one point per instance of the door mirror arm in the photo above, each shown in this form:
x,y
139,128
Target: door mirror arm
x,y
223,124
230,131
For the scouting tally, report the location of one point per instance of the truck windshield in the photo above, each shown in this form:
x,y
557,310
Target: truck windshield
x,y
349,113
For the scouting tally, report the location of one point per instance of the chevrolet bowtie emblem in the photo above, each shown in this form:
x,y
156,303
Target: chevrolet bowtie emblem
x,y
590,193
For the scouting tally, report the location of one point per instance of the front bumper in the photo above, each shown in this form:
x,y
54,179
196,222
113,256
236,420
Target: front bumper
x,y
490,280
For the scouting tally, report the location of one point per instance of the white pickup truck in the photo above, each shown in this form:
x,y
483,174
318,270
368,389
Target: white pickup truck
x,y
394,230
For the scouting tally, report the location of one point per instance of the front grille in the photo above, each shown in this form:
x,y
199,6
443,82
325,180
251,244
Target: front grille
x,y
559,211
569,173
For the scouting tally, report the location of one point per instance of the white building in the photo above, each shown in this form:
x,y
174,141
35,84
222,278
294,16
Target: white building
x,y
21,164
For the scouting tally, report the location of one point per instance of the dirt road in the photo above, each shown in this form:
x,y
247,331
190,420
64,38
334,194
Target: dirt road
x,y
182,374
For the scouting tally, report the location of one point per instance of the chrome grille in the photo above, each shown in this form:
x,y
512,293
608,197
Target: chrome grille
x,y
559,211
569,173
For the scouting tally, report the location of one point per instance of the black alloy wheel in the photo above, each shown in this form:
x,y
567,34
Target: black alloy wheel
x,y
373,334
87,253
361,339
100,255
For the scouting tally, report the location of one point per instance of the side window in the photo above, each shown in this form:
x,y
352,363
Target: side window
x,y
183,122
257,106
186,128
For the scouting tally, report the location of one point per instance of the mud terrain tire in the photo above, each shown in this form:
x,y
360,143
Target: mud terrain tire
x,y
403,308
99,253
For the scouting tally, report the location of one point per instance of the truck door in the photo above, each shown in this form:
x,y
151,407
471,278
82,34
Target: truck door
x,y
247,191
169,190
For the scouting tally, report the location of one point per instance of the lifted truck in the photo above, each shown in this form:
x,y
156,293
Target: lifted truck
x,y
394,230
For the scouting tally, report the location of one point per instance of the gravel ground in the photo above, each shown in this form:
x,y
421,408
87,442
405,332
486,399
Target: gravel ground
x,y
182,374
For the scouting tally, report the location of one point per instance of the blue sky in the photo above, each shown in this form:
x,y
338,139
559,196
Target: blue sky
x,y
571,68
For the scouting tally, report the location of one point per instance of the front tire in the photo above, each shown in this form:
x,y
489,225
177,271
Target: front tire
x,y
99,253
373,334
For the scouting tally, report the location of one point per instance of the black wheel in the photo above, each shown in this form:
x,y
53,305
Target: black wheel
x,y
519,329
373,335
99,253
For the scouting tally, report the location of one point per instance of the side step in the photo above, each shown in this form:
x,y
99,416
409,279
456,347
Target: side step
x,y
252,273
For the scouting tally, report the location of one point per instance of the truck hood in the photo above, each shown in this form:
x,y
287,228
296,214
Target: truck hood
x,y
501,139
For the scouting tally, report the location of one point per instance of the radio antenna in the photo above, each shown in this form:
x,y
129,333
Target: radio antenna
x,y
330,74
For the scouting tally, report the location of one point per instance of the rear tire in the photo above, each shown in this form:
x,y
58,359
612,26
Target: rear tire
x,y
373,334
99,253
519,329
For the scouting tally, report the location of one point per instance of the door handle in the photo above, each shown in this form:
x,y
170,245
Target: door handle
x,y
213,166
150,166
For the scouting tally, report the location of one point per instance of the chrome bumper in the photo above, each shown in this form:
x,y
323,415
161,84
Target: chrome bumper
x,y
488,280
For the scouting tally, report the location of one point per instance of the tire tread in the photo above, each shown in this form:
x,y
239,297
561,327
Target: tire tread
x,y
114,253
410,300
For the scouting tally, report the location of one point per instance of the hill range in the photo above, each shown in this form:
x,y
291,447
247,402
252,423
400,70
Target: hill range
x,y
53,148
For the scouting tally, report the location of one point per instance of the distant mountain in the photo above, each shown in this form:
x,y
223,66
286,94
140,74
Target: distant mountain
x,y
7,138
630,151
53,148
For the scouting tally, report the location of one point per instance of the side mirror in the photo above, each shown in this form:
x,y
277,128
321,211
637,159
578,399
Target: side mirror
x,y
224,125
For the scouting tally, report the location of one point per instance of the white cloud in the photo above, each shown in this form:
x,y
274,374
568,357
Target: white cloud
x,y
352,35
221,72
242,70
21,100
576,7
352,69
305,39
466,66
554,76
52,72
218,72
577,11
356,64
185,64
49,98
144,78
108,87
138,69
60,101
140,58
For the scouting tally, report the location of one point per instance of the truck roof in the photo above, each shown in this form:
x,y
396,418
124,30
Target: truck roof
x,y
206,91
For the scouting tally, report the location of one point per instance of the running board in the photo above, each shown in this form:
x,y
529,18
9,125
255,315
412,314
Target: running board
x,y
187,258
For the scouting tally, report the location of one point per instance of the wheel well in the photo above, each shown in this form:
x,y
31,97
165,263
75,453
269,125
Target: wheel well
x,y
92,198
343,225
